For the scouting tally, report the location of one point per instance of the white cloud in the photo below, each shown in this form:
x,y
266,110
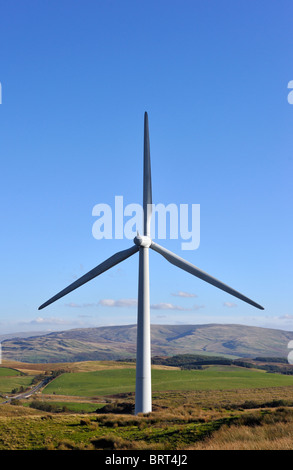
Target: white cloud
x,y
181,293
169,306
47,321
229,304
118,303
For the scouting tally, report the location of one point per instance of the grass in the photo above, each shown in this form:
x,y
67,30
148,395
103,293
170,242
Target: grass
x,y
186,424
68,406
269,431
9,383
39,430
79,407
109,382
220,407
7,372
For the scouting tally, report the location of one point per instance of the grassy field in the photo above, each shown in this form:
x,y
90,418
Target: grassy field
x,y
5,372
110,382
219,407
12,379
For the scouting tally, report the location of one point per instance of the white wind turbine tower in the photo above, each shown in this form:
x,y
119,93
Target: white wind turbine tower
x,y
143,398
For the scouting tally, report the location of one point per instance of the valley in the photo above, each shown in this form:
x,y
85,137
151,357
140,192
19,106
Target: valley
x,y
89,405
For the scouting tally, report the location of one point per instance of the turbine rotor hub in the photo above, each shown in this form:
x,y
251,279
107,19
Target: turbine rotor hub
x,y
143,241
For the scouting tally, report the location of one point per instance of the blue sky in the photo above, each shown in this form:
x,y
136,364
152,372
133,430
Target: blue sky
x,y
76,80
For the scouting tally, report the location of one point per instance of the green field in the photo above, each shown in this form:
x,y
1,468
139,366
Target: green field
x,y
109,382
192,409
66,406
12,379
6,371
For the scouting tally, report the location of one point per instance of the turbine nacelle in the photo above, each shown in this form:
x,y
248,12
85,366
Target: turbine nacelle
x,y
142,241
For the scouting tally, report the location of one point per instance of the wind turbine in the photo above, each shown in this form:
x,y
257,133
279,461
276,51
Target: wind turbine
x,y
143,398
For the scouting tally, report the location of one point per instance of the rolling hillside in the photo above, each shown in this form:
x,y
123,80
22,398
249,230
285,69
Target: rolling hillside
x,y
116,342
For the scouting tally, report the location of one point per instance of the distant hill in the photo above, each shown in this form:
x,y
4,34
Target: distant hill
x,y
119,342
22,334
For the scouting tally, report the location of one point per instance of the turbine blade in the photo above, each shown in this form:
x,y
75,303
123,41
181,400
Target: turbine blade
x,y
147,180
101,268
190,268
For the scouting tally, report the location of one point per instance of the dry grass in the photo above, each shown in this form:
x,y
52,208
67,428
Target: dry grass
x,y
88,366
222,399
83,366
180,427
193,419
272,431
31,369
8,411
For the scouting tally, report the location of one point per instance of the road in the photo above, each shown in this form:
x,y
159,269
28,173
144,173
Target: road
x,y
28,393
